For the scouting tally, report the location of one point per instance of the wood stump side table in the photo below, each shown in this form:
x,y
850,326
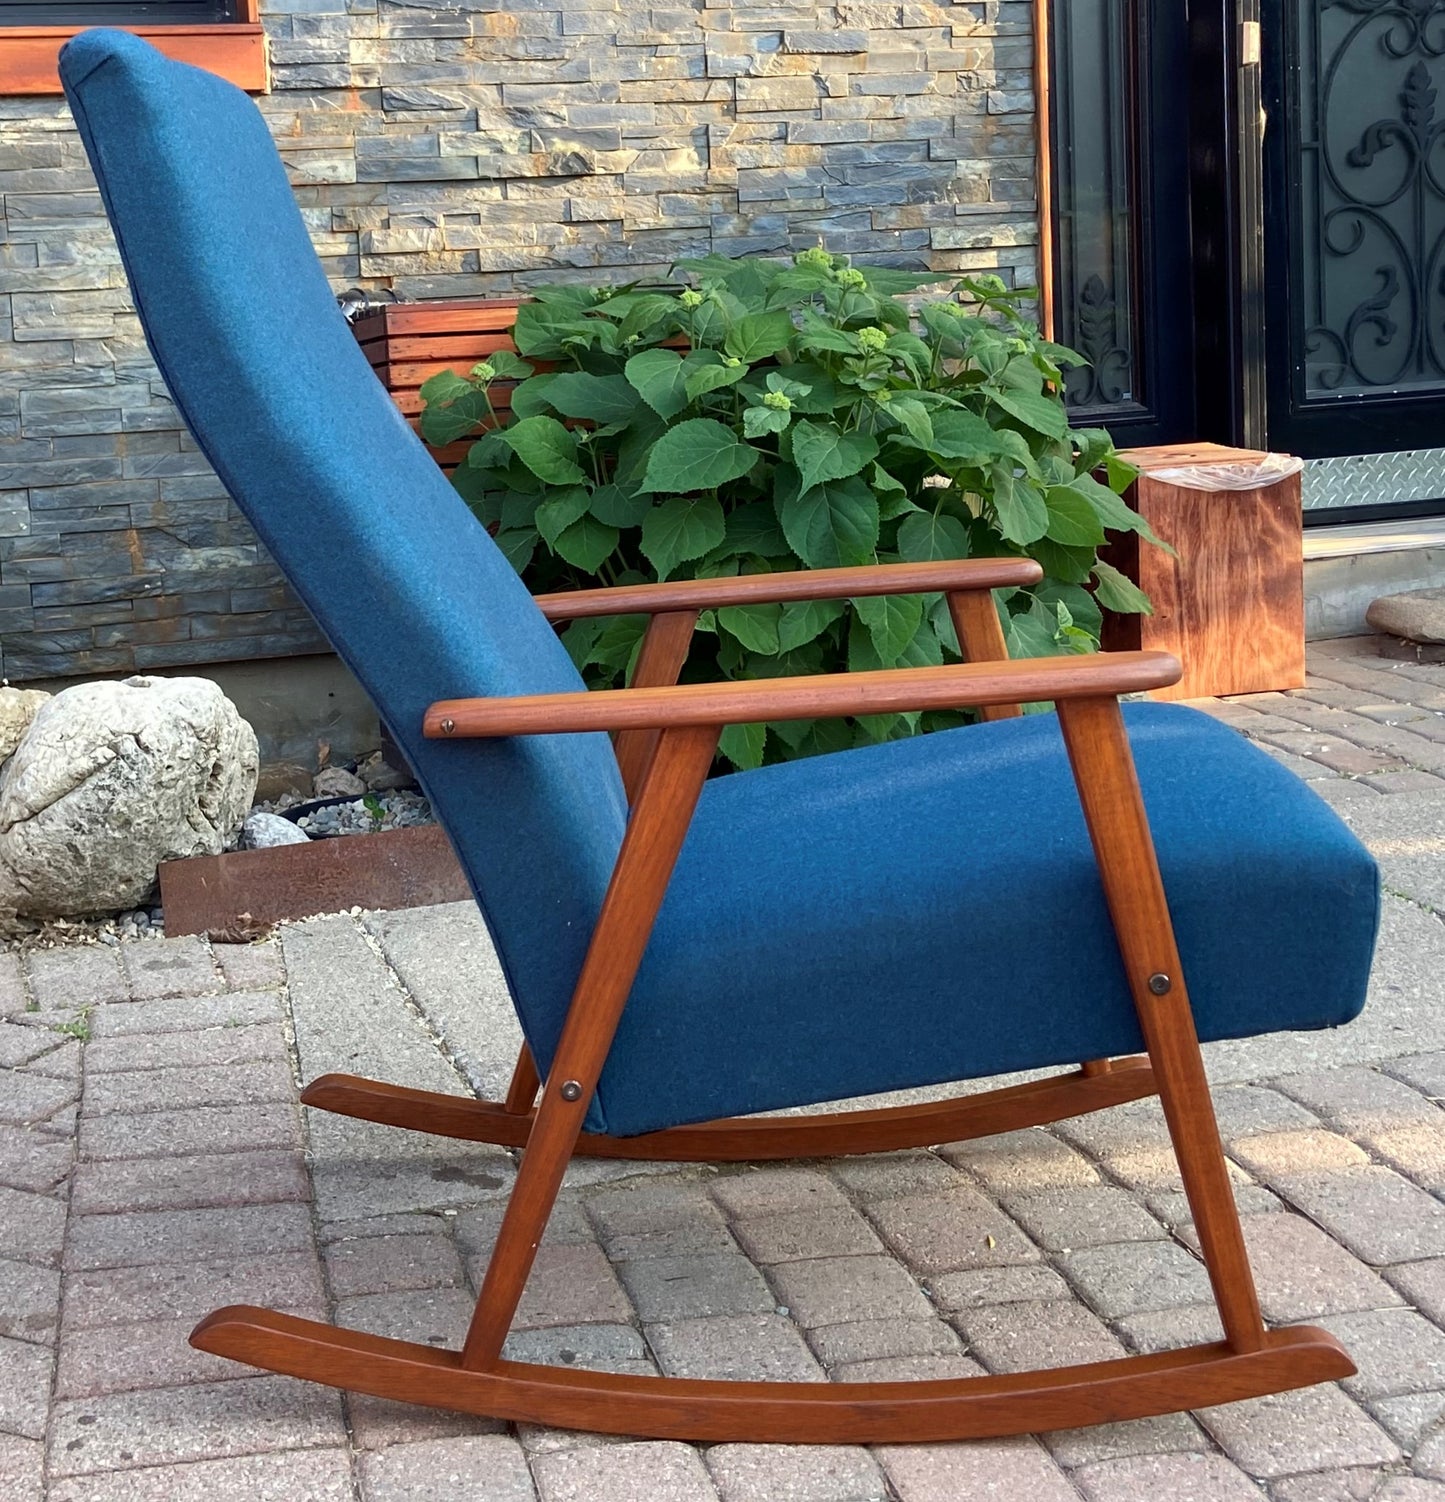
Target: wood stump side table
x,y
1231,605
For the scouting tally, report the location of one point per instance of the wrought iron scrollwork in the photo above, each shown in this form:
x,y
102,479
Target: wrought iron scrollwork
x,y
1104,381
1374,194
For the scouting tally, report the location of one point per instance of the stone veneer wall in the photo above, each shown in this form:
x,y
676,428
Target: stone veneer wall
x,y
451,151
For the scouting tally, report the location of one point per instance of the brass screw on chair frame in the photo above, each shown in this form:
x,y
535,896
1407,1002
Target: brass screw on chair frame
x,y
1160,984
448,726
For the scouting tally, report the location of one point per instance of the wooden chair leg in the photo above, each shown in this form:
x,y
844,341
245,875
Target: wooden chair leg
x,y
522,1092
654,836
981,639
1114,810
663,652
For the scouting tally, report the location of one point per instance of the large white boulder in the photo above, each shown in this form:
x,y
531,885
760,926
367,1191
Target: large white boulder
x,y
18,706
110,780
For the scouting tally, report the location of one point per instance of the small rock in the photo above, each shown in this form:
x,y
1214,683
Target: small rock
x,y
381,777
283,779
337,782
17,709
1416,615
263,831
244,930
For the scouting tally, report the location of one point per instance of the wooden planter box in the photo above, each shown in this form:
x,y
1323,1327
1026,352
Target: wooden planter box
x,y
408,343
1230,607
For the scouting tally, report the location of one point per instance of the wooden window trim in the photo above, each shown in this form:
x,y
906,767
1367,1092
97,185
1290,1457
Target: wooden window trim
x,y
234,50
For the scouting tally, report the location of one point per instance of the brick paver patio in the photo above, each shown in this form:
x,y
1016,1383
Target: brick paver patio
x,y
154,1164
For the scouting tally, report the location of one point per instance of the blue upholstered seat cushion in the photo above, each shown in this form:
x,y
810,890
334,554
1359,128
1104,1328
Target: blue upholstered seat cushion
x,y
930,910
919,912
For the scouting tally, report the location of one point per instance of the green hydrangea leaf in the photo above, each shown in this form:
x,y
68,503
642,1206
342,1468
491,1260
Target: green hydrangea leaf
x,y
965,436
758,336
529,398
444,386
617,507
1040,414
1032,634
754,528
680,529
699,454
914,417
755,626
892,622
834,525
508,366
1077,604
925,536
546,448
744,745
517,547
657,376
1068,565
707,372
464,409
490,451
1023,515
819,334
759,421
587,543
1073,521
803,621
599,399
822,453
559,511
1116,591
1113,511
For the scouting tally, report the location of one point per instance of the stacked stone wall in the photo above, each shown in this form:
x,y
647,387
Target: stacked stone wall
x,y
459,152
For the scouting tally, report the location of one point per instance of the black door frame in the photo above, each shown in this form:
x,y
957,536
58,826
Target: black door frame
x,y
1226,204
1200,294
1160,292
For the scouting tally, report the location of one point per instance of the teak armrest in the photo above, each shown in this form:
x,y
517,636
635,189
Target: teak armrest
x,y
802,584
954,686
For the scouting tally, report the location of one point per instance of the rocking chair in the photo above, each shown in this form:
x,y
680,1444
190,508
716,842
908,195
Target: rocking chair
x,y
684,954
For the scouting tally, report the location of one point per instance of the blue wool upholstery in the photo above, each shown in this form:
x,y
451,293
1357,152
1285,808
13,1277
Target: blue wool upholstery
x,y
918,912
410,591
930,910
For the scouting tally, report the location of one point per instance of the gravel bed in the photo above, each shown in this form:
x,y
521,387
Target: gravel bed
x,y
401,809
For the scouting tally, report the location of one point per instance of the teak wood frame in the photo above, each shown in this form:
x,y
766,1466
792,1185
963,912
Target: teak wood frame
x,y
666,738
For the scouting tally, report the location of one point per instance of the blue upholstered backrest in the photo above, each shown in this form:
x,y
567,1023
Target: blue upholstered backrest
x,y
408,587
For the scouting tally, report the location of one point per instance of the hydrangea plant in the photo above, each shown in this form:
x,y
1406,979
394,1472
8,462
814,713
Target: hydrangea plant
x,y
783,416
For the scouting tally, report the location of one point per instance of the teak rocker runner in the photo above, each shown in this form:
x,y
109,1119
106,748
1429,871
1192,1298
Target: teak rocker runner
x,y
684,954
